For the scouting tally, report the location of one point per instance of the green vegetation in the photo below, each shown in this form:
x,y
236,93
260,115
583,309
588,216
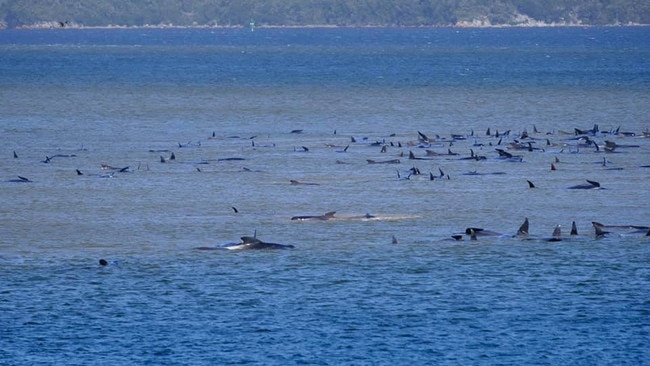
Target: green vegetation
x,y
20,13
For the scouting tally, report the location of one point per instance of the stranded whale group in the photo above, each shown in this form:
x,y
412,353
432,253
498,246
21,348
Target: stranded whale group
x,y
506,147
474,233
599,232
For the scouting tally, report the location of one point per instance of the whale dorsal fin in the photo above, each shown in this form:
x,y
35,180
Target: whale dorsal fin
x,y
523,229
574,228
593,183
329,215
557,232
423,137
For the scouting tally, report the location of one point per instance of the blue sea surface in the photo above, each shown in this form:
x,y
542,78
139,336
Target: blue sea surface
x,y
155,149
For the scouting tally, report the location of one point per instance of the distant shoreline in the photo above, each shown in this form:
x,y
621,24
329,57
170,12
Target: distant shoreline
x,y
72,26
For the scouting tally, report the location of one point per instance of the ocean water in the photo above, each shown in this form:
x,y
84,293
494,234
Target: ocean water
x,y
244,113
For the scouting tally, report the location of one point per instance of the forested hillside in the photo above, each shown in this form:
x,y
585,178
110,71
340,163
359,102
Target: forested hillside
x,y
70,13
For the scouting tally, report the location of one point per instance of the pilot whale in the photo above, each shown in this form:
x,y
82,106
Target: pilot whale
x,y
638,228
474,232
618,229
592,185
299,183
248,243
324,217
252,243
477,231
557,234
20,180
121,170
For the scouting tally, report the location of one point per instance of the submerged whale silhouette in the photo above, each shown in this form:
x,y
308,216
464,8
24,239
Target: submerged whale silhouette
x,y
324,217
299,183
392,161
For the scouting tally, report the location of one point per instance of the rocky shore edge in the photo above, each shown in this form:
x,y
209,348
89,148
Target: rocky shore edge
x,y
476,23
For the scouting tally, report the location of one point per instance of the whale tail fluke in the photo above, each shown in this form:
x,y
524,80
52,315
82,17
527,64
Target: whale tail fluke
x,y
598,227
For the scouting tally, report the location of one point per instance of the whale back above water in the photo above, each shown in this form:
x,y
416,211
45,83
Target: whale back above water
x,y
591,185
249,242
324,217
